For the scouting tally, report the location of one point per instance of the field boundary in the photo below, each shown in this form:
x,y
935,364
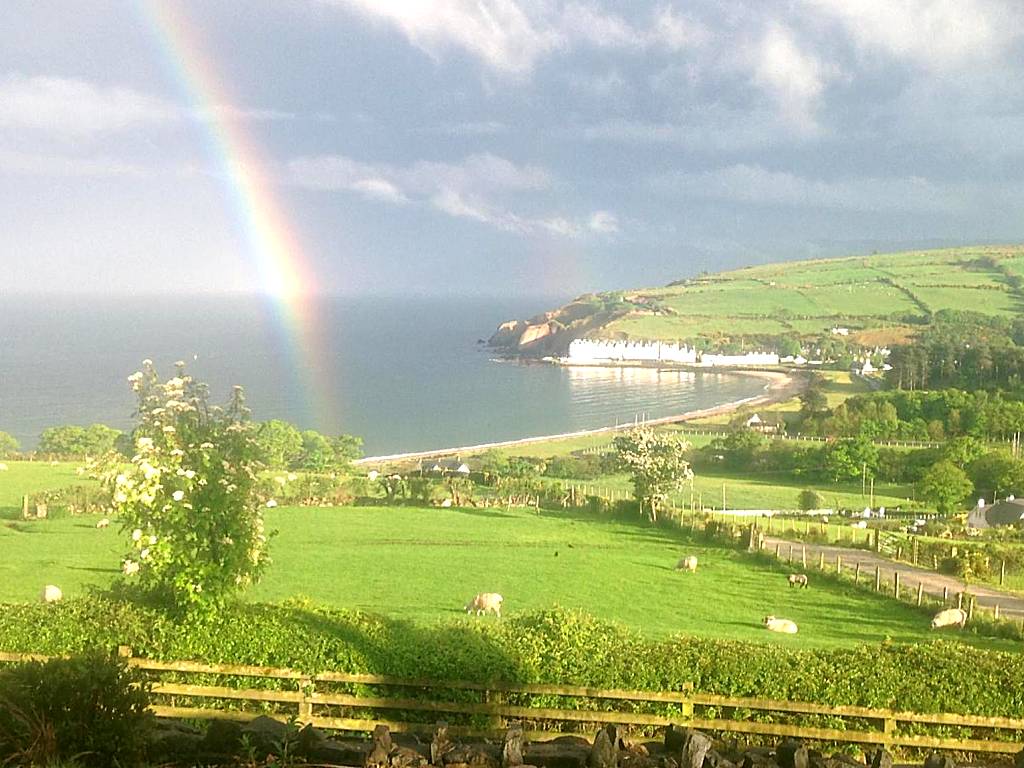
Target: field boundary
x,y
335,700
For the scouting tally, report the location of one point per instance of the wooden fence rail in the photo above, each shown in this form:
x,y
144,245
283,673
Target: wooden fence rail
x,y
349,711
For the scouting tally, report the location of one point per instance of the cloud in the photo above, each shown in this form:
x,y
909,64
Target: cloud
x,y
604,30
76,108
33,164
754,184
498,32
793,78
936,34
511,36
712,130
471,189
604,222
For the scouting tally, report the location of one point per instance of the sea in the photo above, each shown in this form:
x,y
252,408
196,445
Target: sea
x,y
404,373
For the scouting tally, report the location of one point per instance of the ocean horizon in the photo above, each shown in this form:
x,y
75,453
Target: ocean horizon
x,y
404,373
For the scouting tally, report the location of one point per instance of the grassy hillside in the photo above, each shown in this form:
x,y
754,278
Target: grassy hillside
x,y
882,299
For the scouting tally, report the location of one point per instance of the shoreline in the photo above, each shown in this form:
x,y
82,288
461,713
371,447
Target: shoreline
x,y
780,386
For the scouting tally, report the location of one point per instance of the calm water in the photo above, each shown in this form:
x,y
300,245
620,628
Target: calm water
x,y
405,374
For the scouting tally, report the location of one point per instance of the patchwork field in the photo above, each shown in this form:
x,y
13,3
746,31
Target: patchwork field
x,y
807,298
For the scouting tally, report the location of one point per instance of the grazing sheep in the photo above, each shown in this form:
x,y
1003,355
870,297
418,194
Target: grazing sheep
x,y
798,580
688,563
785,626
951,617
52,594
484,602
103,523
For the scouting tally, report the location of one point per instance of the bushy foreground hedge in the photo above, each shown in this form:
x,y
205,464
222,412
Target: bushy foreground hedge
x,y
554,646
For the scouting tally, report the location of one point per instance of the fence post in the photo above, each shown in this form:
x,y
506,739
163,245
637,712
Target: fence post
x,y
856,573
305,705
945,594
839,565
821,560
896,584
24,507
970,609
888,730
803,555
1002,573
920,592
778,550
995,612
878,579
791,553
960,600
687,704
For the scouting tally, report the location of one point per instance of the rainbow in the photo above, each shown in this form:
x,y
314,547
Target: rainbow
x,y
285,274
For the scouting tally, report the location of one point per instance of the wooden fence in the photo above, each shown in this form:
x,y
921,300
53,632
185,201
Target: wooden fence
x,y
354,702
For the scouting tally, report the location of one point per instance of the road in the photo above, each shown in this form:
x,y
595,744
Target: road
x,y
1011,605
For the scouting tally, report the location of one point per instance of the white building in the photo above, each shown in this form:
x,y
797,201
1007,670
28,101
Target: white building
x,y
597,351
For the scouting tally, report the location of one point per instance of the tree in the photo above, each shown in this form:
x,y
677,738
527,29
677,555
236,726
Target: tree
x,y
317,452
188,496
851,458
72,440
963,451
946,486
8,445
810,499
996,474
347,448
280,443
657,465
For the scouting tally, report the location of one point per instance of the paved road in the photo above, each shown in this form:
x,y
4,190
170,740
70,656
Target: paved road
x,y
1010,605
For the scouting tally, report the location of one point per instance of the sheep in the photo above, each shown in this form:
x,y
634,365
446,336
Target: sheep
x,y
951,617
798,580
785,626
484,602
103,523
52,594
688,563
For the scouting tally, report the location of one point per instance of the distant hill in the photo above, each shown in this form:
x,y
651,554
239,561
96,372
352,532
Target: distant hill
x,y
881,299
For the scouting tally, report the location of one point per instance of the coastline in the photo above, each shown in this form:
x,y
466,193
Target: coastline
x,y
780,386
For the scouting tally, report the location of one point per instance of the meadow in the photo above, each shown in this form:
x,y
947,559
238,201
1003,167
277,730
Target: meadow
x,y
423,564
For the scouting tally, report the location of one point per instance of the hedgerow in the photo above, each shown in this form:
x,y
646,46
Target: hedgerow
x,y
554,646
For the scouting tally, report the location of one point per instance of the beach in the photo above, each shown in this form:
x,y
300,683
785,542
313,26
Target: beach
x,y
779,386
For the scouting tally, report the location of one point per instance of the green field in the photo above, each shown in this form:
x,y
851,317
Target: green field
x,y
864,293
24,477
424,564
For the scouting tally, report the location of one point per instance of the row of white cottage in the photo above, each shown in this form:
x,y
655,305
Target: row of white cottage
x,y
597,351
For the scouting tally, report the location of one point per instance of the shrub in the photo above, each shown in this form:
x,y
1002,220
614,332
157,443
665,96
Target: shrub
x,y
188,496
92,709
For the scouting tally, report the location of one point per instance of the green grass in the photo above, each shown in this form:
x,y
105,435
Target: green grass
x,y
809,297
424,564
25,477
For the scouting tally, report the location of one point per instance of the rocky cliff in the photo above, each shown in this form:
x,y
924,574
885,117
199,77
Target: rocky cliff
x,y
550,333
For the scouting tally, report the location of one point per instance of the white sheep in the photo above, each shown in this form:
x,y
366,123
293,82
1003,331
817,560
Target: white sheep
x,y
785,626
951,617
798,580
484,602
52,594
103,523
688,563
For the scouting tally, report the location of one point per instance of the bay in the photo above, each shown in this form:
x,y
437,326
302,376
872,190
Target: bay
x,y
405,373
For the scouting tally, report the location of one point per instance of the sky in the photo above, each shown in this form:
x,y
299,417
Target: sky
x,y
494,147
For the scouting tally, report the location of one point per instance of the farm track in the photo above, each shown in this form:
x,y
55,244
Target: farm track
x,y
1011,605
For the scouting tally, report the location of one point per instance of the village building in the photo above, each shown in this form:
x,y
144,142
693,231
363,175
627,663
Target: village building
x,y
771,424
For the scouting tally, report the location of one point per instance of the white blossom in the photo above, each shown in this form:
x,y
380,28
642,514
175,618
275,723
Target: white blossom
x,y
271,503
136,534
178,495
144,553
129,567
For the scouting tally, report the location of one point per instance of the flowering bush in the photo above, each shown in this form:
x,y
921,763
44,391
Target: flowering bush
x,y
188,497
